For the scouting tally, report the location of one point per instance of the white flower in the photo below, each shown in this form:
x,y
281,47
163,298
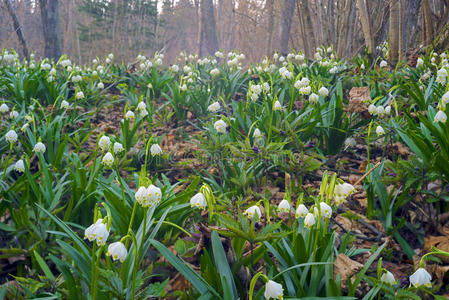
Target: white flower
x,y
141,196
214,107
440,117
305,90
155,149
256,89
118,148
380,110
372,109
419,62
89,233
19,166
129,115
215,72
76,78
101,234
362,66
45,66
108,159
104,143
4,108
118,251
79,95
388,278
219,54
313,98
383,64
220,126
252,211
301,211
257,134
309,221
326,210
183,87
14,114
154,195
277,105
273,290
380,130
143,113
266,87
323,91
149,85
421,278
141,106
444,99
11,136
64,104
284,206
198,201
344,189
24,127
174,68
388,109
100,85
350,142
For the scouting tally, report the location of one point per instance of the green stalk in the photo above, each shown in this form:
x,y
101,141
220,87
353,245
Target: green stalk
x,y
93,283
121,183
6,162
134,268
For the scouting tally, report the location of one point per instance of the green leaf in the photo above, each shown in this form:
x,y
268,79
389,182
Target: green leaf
x,y
44,266
222,265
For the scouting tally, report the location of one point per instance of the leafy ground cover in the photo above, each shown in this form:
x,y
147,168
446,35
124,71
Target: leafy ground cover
x,y
217,178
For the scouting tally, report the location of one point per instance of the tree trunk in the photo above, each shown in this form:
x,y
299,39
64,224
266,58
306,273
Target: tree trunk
x,y
51,28
269,7
288,9
393,35
427,23
208,34
401,29
309,27
17,28
366,25
352,20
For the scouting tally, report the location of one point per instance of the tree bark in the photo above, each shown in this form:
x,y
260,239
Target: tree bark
x,y
17,28
51,28
393,34
269,7
309,27
366,25
427,23
208,34
288,9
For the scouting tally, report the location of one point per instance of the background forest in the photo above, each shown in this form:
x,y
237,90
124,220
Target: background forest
x,y
90,28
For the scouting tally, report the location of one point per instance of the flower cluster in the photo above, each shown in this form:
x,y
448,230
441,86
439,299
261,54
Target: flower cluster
x,y
148,197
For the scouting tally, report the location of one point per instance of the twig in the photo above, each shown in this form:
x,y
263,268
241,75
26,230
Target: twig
x,y
367,173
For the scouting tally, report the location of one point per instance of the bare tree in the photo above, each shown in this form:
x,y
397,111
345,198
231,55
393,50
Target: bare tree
x,y
208,35
51,28
288,9
309,32
393,35
366,25
17,28
427,31
269,7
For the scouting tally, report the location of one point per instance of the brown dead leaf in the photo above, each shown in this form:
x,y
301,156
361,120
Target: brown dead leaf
x,y
440,242
362,167
346,268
